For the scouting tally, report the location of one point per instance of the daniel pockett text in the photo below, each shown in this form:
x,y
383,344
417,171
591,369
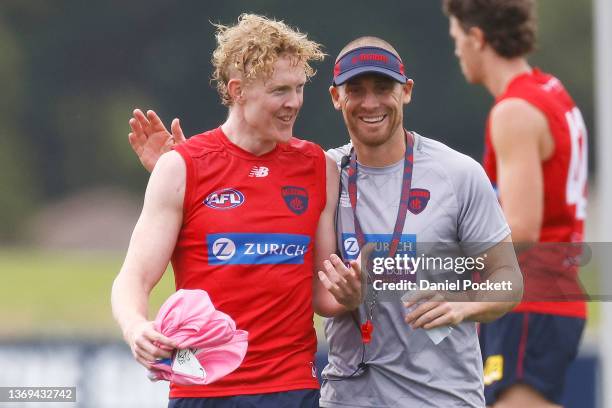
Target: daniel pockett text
x,y
389,272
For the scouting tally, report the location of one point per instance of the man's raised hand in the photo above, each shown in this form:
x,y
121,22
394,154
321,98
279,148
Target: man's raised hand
x,y
343,282
150,139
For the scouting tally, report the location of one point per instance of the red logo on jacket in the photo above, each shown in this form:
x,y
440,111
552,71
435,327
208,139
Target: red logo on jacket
x,y
417,200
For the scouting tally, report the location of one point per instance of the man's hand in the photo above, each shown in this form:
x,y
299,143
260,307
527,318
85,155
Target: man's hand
x,y
342,282
435,311
148,345
150,139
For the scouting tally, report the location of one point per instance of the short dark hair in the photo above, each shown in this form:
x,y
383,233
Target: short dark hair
x,y
509,26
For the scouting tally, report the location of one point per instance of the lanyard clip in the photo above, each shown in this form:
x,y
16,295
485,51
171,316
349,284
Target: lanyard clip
x,y
366,332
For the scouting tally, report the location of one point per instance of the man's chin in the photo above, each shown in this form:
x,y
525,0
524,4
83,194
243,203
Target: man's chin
x,y
471,79
371,140
284,135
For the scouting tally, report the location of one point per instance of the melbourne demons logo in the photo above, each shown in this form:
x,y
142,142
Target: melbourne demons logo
x,y
418,199
296,198
224,199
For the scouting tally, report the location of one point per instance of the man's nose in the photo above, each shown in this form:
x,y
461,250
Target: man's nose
x,y
294,100
370,100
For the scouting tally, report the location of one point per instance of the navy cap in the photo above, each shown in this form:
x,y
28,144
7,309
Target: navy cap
x,y
366,60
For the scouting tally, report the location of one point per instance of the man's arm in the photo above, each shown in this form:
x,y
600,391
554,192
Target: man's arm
x,y
501,266
521,138
149,252
336,289
443,309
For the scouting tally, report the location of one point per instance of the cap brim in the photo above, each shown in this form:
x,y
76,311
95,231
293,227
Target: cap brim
x,y
345,76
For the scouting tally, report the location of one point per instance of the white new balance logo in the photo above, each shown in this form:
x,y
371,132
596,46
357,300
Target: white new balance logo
x,y
259,171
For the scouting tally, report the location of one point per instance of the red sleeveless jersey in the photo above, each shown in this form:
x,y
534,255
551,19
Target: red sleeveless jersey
x,y
247,238
545,268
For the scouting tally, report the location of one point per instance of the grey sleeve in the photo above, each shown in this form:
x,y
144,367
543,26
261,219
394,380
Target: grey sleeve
x,y
339,152
480,221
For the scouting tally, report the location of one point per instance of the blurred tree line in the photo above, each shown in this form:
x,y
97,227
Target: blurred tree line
x,y
72,72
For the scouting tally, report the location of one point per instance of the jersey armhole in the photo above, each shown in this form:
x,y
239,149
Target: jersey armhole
x,y
190,176
322,176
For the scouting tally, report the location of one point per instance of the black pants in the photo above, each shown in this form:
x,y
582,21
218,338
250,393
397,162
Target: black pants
x,y
285,399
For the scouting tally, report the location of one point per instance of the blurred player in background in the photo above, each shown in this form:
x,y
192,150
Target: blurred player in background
x,y
246,213
536,158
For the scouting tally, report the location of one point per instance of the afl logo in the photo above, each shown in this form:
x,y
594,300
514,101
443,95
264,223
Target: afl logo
x,y
224,249
224,199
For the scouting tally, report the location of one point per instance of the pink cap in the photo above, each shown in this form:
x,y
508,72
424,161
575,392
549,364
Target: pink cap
x,y
209,346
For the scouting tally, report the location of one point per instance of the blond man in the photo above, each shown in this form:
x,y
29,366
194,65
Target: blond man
x,y
245,212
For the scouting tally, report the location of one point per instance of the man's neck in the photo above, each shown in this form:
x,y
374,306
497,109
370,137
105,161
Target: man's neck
x,y
383,155
499,72
244,136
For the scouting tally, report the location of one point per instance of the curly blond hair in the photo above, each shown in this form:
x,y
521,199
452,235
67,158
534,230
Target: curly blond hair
x,y
252,46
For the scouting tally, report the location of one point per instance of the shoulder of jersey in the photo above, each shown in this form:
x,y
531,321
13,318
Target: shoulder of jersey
x,y
302,146
540,83
203,143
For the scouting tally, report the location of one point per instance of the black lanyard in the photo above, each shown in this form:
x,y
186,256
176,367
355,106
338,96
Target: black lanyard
x,y
368,327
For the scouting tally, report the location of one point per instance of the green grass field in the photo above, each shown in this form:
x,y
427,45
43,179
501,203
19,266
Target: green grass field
x,y
62,294
59,295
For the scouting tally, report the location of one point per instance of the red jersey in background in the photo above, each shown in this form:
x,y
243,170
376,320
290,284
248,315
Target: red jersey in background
x,y
548,269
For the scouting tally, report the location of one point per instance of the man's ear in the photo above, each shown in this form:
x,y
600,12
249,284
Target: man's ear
x,y
335,97
477,38
407,91
235,89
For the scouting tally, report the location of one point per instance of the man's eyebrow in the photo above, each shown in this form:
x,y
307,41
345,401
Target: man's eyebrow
x,y
283,86
278,86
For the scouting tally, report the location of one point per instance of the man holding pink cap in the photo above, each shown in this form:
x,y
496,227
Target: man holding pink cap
x,y
209,345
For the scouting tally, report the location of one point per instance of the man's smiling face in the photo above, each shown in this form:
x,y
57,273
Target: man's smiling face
x,y
372,107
